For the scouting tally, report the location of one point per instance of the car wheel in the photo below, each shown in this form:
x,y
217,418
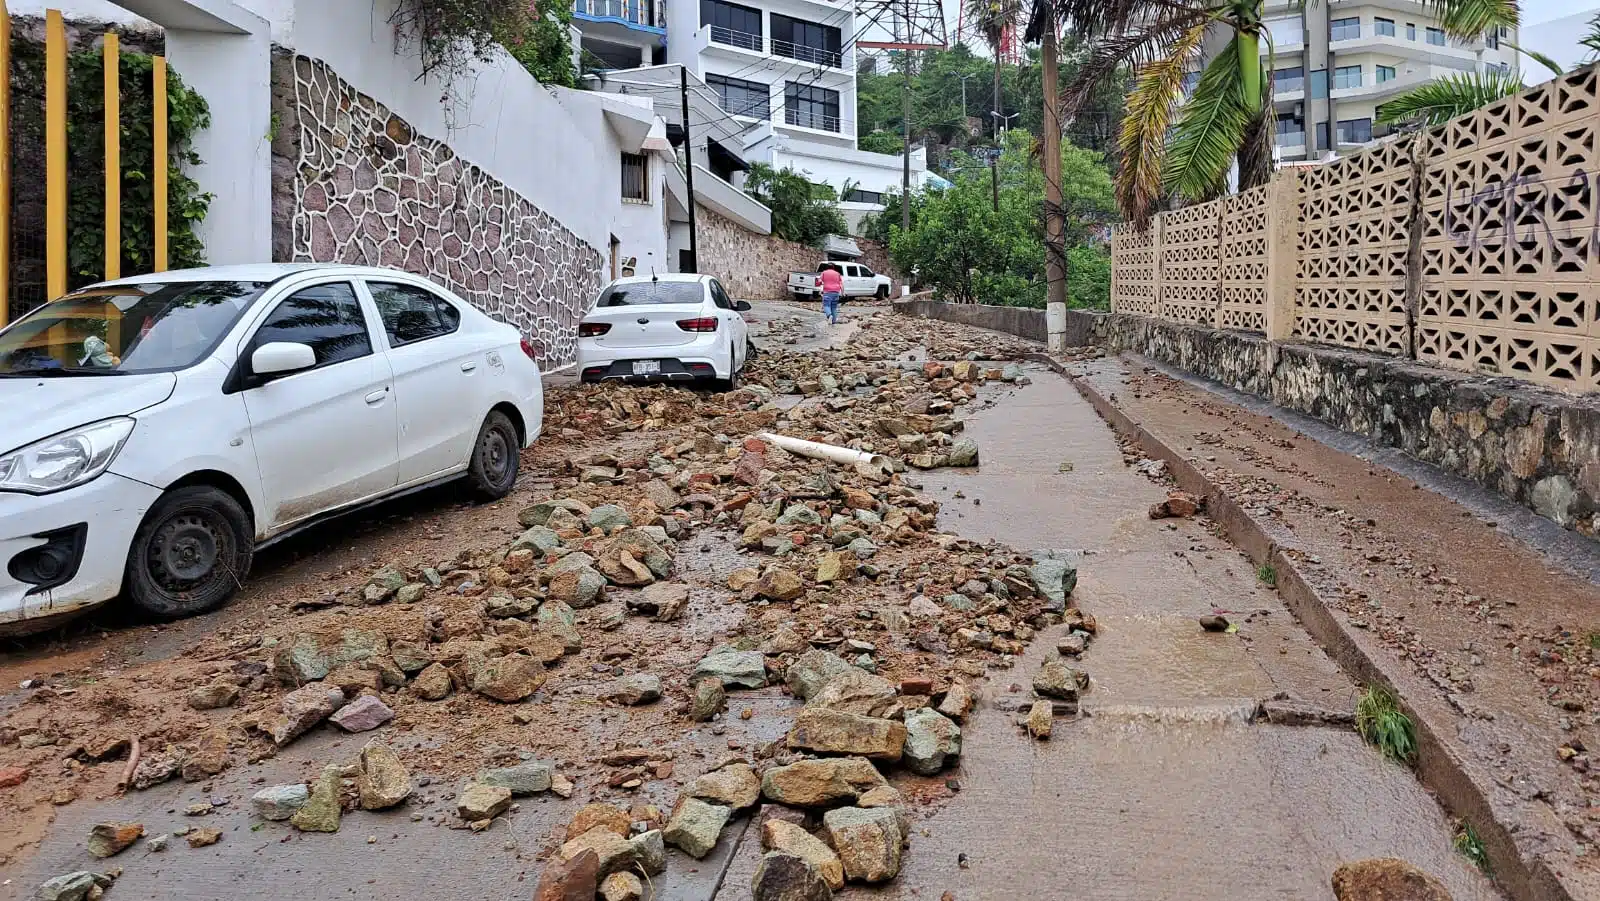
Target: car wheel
x,y
496,456
734,382
191,553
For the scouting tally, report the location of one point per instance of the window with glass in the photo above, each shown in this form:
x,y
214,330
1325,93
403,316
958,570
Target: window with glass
x,y
1411,31
732,24
1291,78
811,107
1491,39
1355,131
742,98
410,313
1291,130
326,317
1346,77
152,327
1322,136
1383,27
857,195
1436,36
1319,84
635,177
1385,73
1344,29
807,41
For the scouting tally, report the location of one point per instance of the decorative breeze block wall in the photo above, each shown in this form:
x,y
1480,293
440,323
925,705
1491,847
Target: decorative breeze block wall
x,y
1510,265
1133,277
1190,264
354,183
1243,301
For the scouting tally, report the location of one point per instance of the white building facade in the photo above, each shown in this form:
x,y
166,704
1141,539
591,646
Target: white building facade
x,y
1334,63
784,70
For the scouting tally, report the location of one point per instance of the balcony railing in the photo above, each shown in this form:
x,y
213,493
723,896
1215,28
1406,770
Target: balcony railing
x,y
1291,138
649,13
807,53
806,119
741,39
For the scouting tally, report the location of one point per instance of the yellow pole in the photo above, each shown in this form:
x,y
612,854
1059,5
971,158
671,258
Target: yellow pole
x,y
55,153
159,132
113,62
5,164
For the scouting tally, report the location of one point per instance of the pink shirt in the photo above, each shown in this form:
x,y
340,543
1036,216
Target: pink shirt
x,y
832,282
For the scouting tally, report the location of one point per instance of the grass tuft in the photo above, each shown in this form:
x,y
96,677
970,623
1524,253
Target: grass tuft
x,y
1267,575
1385,727
1470,846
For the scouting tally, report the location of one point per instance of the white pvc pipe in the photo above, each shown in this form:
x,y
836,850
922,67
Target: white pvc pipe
x,y
816,450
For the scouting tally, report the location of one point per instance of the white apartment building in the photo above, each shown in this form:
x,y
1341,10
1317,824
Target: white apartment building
x,y
785,70
1337,61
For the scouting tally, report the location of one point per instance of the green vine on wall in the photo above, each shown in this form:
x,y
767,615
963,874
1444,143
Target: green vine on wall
x,y
187,114
449,34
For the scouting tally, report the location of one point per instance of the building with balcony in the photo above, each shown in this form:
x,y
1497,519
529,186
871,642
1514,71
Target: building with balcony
x,y
620,34
1336,62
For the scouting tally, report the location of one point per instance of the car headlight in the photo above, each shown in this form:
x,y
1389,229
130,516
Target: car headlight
x,y
64,460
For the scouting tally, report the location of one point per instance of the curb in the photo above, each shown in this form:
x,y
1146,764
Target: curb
x,y
1464,790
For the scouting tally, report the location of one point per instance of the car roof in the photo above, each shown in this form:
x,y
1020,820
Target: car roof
x,y
250,272
664,277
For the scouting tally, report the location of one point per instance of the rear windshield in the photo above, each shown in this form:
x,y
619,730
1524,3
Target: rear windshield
x,y
639,293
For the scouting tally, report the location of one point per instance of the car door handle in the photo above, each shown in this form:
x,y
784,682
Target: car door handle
x,y
468,366
377,397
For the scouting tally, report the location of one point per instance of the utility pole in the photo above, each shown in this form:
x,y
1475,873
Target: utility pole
x,y
1055,252
905,114
688,170
994,156
964,103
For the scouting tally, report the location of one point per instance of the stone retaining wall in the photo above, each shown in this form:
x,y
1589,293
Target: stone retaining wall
x,y
757,267
354,183
1538,447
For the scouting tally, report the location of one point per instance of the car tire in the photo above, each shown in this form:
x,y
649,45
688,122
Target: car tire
x,y
191,553
496,458
733,382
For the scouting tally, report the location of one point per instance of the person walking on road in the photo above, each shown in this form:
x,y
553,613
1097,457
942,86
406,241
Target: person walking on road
x,y
832,287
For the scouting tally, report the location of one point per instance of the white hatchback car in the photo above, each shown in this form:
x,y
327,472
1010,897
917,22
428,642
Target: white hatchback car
x,y
154,431
666,328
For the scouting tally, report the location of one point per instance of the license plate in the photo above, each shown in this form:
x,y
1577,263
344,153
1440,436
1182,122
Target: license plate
x,y
646,367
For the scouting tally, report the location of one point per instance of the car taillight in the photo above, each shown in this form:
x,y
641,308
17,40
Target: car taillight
x,y
527,348
593,329
706,324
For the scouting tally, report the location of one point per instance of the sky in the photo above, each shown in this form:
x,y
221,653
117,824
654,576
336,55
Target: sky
x,y
1536,11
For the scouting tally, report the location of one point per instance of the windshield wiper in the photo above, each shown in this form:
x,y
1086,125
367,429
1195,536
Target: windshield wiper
x,y
57,372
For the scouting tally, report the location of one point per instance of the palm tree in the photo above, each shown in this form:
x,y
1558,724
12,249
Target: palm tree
x,y
993,18
1187,150
1437,102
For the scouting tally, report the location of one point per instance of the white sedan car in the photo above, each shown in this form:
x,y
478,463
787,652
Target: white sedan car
x,y
155,431
667,328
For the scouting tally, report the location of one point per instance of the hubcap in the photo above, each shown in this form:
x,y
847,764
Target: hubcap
x,y
185,550
496,456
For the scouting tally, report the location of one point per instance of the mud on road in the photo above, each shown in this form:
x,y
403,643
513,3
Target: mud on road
x,y
709,552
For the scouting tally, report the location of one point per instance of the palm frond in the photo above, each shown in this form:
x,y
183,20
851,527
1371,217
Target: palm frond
x,y
1093,19
1145,122
1592,40
1467,20
991,17
1437,102
1133,48
1539,58
1210,130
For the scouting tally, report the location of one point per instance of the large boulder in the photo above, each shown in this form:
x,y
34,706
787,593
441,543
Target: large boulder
x,y
779,584
834,732
301,709
777,835
733,668
854,690
1386,879
1056,679
820,783
510,678
695,826
614,852
579,587
782,876
482,802
559,619
665,601
528,778
931,741
735,786
383,782
811,670
1054,575
308,656
868,841
321,811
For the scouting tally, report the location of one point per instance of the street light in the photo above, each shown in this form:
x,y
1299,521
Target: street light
x,y
964,97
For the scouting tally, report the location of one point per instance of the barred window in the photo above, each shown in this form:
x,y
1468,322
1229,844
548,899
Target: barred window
x,y
635,177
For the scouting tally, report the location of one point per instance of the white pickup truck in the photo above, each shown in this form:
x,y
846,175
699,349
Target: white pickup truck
x,y
859,281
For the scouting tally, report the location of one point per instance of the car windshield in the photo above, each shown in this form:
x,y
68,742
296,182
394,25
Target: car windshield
x,y
125,329
637,293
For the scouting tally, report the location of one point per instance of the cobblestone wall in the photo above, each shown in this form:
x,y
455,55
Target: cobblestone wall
x,y
354,183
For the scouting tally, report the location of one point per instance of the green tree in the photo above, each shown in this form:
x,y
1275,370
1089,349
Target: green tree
x,y
801,210
880,142
1188,152
969,252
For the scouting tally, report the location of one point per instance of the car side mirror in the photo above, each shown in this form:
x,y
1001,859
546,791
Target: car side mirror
x,y
742,306
282,358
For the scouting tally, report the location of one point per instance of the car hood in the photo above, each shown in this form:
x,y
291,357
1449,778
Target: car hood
x,y
35,408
